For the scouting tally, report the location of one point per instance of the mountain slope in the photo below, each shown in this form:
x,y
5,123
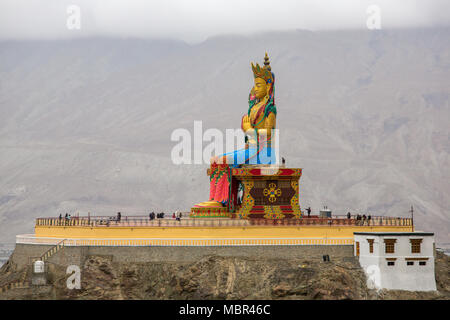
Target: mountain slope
x,y
86,124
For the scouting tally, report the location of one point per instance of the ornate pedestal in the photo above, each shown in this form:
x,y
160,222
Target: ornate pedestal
x,y
209,212
268,192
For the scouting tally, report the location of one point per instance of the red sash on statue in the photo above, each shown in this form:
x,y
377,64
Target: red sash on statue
x,y
213,181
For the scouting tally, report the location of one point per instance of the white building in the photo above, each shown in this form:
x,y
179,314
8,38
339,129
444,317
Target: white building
x,y
397,261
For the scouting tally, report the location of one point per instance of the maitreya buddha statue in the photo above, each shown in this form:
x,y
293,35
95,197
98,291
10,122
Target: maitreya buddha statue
x,y
257,124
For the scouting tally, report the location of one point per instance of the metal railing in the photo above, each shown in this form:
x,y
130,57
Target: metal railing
x,y
137,221
164,242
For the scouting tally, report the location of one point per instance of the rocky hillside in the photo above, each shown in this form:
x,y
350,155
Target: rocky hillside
x,y
216,277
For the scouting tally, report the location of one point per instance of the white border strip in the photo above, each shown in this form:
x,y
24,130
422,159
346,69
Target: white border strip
x,y
171,242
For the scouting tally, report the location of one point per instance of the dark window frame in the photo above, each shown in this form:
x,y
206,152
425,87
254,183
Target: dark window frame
x,y
389,245
370,241
416,245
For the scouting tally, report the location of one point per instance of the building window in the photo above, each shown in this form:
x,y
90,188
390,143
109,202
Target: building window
x,y
409,263
391,263
415,245
370,245
389,245
422,263
357,249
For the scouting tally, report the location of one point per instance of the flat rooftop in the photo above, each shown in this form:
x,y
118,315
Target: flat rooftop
x,y
419,233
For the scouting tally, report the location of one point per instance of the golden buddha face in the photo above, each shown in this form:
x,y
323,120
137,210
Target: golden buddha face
x,y
260,88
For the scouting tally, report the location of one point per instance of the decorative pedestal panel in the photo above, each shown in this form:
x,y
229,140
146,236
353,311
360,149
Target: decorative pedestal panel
x,y
269,192
209,212
260,192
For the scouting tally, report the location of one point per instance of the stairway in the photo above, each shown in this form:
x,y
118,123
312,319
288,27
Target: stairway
x,y
50,252
22,281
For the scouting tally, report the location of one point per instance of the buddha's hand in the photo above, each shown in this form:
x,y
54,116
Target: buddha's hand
x,y
246,123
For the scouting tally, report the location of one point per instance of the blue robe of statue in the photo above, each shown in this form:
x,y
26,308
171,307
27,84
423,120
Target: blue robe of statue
x,y
251,156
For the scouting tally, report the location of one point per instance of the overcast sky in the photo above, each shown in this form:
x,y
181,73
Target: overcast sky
x,y
195,20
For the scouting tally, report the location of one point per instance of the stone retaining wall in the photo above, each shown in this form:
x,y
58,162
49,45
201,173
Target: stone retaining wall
x,y
23,253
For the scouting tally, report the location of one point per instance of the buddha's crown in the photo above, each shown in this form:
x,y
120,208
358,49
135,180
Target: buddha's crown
x,y
264,72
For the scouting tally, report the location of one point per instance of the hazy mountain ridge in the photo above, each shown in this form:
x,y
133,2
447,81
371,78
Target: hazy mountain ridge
x,y
86,123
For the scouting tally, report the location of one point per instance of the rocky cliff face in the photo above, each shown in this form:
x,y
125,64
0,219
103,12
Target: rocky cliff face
x,y
216,277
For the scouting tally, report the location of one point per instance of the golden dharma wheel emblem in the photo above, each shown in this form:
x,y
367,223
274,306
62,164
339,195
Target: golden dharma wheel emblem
x,y
272,192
